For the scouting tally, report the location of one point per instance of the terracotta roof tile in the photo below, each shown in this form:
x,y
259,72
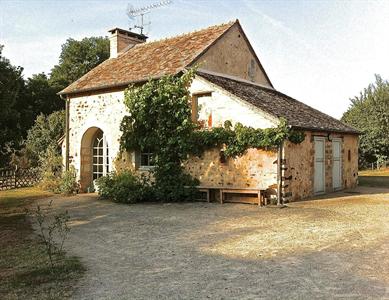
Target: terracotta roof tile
x,y
149,60
297,114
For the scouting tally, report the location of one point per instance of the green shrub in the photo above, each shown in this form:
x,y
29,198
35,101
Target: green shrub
x,y
51,168
44,135
53,179
50,182
172,184
68,184
124,187
105,185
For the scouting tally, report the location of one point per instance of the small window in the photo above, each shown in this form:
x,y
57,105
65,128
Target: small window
x,y
201,112
146,159
349,155
99,167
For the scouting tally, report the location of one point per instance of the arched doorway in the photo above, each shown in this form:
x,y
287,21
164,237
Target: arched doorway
x,y
94,157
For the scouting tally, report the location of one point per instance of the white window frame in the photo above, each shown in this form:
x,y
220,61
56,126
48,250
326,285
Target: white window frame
x,y
196,107
101,145
149,165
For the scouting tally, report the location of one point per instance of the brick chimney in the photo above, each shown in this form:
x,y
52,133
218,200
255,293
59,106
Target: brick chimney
x,y
122,40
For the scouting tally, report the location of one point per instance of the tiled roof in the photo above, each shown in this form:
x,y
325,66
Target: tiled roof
x,y
297,114
149,60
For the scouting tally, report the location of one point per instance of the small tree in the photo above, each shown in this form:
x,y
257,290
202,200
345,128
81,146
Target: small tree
x,y
42,138
53,231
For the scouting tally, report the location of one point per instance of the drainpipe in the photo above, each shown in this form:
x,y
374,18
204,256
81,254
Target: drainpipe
x,y
66,132
279,174
67,135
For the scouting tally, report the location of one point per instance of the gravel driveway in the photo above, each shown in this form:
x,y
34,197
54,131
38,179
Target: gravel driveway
x,y
322,249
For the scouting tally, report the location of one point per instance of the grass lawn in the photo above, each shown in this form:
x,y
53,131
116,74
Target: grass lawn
x,y
24,268
374,178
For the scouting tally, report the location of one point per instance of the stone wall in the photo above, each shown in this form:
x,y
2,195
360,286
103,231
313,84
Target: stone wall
x,y
299,165
258,168
104,111
350,161
254,169
124,161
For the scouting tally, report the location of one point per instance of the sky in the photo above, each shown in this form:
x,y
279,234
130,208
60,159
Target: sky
x,y
320,52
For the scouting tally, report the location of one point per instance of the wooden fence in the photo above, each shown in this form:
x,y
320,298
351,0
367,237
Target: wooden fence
x,y
11,178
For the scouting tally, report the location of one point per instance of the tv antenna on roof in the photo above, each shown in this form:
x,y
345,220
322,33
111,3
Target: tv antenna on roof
x,y
134,13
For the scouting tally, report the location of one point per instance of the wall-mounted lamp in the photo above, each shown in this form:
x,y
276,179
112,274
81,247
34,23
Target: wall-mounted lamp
x,y
329,137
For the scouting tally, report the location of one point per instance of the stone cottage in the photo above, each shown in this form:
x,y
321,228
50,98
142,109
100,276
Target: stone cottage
x,y
231,84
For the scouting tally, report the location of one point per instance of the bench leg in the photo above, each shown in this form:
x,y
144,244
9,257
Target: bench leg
x,y
221,196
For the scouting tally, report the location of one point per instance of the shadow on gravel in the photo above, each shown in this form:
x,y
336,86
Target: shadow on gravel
x,y
202,250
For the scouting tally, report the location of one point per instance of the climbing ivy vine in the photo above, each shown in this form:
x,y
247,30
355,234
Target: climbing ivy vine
x,y
240,138
159,121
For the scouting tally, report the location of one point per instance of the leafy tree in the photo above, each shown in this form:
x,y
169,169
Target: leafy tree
x,y
77,58
11,107
369,112
21,101
44,136
42,96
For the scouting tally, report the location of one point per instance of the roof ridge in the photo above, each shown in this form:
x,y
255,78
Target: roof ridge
x,y
227,76
184,34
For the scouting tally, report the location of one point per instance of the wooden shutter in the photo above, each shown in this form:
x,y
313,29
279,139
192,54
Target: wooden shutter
x,y
137,159
194,109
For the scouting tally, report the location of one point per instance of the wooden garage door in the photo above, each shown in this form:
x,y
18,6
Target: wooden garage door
x,y
319,167
337,164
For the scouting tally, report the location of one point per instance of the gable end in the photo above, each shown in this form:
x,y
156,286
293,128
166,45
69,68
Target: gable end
x,y
232,54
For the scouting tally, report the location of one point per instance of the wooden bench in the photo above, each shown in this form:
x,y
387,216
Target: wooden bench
x,y
205,190
225,190
259,192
